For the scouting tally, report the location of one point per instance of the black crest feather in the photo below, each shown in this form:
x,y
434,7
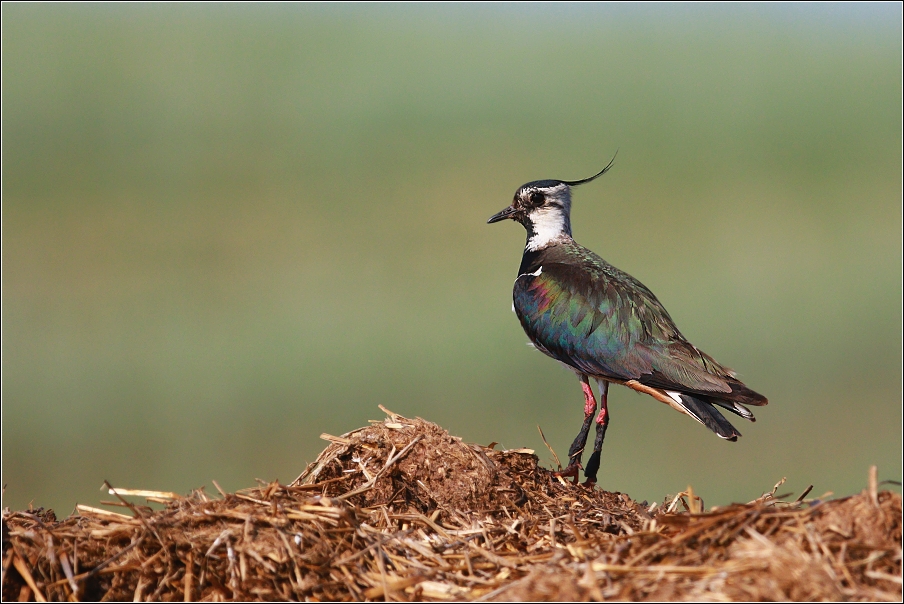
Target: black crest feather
x,y
574,183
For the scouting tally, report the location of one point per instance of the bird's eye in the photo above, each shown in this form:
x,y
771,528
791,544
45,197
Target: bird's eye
x,y
536,198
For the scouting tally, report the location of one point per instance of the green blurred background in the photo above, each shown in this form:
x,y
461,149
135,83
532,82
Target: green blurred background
x,y
228,229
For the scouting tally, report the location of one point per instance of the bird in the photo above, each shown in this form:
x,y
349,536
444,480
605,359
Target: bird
x,y
607,326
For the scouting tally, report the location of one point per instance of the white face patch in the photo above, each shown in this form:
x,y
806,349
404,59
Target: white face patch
x,y
551,222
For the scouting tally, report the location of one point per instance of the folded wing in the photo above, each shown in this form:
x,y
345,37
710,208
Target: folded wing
x,y
605,323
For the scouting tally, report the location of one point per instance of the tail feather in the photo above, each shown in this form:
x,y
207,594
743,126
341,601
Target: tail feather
x,y
742,394
707,414
736,408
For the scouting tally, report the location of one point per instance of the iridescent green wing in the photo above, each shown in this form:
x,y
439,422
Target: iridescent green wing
x,y
605,323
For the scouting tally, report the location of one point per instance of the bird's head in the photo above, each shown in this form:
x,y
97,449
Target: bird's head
x,y
544,208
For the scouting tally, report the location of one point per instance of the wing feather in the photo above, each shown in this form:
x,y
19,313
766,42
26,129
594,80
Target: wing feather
x,y
605,323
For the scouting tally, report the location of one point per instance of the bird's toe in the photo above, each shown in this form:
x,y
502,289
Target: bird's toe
x,y
572,471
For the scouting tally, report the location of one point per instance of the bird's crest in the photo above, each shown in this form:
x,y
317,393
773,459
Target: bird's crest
x,y
574,183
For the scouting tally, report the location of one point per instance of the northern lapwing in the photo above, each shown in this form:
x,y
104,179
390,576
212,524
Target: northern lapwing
x,y
604,324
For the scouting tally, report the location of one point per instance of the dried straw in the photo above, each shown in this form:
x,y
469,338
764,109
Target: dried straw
x,y
401,510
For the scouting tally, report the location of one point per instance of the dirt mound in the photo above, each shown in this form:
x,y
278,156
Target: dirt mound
x,y
401,510
414,464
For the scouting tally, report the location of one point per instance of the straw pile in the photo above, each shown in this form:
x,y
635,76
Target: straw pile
x,y
401,510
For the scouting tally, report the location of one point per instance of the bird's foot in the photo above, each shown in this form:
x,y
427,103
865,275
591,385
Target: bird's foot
x,y
592,467
572,471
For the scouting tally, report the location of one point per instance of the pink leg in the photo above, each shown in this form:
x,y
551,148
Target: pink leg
x,y
577,447
589,399
602,422
603,417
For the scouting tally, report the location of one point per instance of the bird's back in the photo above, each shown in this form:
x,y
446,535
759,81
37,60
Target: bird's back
x,y
588,314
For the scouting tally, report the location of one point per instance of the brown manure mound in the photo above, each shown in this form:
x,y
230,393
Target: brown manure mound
x,y
401,510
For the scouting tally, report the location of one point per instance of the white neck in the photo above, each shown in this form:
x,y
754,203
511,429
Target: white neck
x,y
548,225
